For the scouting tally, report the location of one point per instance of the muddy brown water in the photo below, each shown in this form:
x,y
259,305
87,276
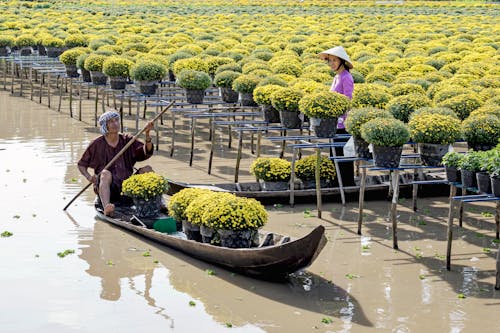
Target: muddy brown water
x,y
357,284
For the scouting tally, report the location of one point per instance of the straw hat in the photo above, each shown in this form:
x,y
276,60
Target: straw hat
x,y
339,52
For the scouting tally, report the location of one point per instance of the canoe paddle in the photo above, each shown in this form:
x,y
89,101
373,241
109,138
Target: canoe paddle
x,y
120,153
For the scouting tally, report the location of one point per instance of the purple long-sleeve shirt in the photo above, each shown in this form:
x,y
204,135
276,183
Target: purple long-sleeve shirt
x,y
343,83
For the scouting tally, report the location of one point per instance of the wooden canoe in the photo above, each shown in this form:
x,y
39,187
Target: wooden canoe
x,y
274,262
377,187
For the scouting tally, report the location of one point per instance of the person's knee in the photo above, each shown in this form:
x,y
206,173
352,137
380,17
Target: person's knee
x,y
145,169
105,177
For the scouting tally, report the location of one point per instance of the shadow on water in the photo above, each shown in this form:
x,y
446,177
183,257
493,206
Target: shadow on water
x,y
303,290
431,224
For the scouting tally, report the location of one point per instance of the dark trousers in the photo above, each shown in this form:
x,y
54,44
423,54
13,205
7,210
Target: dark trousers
x,y
346,169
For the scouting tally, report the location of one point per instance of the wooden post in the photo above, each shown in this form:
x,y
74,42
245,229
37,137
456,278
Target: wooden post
x,y
319,204
42,80
414,196
31,82
259,141
96,103
394,206
361,199
497,282
70,97
238,156
80,101
193,131
172,145
60,91
461,208
449,235
12,81
497,220
283,144
212,145
48,88
292,177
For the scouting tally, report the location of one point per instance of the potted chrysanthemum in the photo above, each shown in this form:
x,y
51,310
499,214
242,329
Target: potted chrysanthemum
x,y
245,85
481,131
177,208
69,58
147,74
224,80
93,63
387,135
323,109
118,70
434,133
235,219
357,117
195,83
305,169
286,101
274,173
145,190
262,96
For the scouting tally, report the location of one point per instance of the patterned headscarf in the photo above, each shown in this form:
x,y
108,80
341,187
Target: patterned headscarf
x,y
104,118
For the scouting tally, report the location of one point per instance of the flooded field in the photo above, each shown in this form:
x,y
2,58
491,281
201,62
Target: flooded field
x,y
357,284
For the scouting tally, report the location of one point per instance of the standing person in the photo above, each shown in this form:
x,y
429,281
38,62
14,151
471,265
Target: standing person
x,y
343,83
108,183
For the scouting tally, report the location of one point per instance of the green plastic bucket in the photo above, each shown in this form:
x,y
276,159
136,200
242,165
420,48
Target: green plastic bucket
x,y
166,224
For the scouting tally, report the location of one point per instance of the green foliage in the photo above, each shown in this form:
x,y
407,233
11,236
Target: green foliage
x,y
434,128
271,169
193,80
386,132
452,159
80,61
147,70
305,168
117,66
481,129
401,107
357,117
324,104
471,161
225,78
492,163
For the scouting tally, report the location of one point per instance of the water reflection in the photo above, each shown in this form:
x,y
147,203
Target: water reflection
x,y
116,258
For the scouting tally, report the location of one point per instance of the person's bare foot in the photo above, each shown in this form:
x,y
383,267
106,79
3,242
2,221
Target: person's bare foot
x,y
109,210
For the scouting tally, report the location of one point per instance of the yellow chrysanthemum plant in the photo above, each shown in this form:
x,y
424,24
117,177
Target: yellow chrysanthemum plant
x,y
181,200
271,169
324,105
144,186
434,128
225,211
305,168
